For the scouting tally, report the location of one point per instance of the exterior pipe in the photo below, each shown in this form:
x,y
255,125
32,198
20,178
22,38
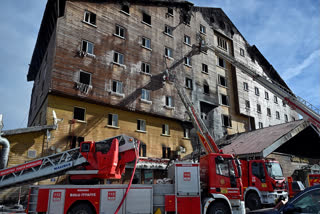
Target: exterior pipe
x,y
4,156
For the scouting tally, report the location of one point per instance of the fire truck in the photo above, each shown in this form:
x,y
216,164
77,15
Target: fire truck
x,y
263,182
313,179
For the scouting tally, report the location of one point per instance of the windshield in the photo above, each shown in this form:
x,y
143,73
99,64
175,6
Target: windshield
x,y
274,170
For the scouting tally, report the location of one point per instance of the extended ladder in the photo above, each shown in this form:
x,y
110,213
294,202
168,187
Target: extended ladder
x,y
307,110
42,168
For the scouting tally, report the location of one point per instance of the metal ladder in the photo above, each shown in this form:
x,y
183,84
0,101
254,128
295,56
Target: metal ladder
x,y
307,110
43,168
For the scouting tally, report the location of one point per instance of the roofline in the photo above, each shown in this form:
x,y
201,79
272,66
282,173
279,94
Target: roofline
x,y
28,129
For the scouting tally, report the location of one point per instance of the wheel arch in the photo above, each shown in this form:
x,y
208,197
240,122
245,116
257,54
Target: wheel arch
x,y
81,202
214,199
250,190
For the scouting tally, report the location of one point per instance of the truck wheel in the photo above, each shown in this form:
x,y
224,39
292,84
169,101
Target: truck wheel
x,y
81,209
253,201
219,208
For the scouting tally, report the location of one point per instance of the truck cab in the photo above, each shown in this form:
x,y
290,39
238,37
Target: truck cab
x,y
263,182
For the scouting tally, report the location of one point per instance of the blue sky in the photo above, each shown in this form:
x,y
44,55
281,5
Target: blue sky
x,y
287,32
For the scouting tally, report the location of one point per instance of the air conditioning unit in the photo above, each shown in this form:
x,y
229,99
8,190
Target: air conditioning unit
x,y
32,153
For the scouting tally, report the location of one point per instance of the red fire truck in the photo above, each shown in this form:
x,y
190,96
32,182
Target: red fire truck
x,y
313,179
263,182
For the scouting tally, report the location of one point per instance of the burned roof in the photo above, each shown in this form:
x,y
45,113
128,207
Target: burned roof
x,y
262,142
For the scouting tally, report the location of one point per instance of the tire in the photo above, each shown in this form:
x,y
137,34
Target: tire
x,y
253,201
219,208
81,209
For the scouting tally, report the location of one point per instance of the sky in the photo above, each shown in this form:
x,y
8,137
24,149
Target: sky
x,y
287,33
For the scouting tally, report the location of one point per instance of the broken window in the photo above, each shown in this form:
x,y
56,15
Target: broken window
x,y
275,99
118,58
186,133
145,68
247,103
259,108
202,29
120,31
277,115
125,8
113,120
87,47
168,52
89,18
145,94
166,152
222,81
266,95
245,86
241,52
204,68
187,40
168,30
117,86
256,91
187,61
226,120
170,11
286,118
146,18
188,83
206,88
141,125
283,103
85,78
79,113
224,99
222,43
146,43
221,62
260,125
165,129
169,101
268,112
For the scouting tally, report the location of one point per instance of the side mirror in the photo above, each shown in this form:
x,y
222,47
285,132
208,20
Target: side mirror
x,y
291,209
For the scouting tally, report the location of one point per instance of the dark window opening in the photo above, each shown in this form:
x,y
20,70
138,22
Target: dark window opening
x,y
170,11
222,81
247,104
143,150
146,18
222,63
125,8
226,120
259,108
113,120
188,83
90,17
204,68
165,129
79,113
166,152
85,78
224,100
241,52
141,125
206,89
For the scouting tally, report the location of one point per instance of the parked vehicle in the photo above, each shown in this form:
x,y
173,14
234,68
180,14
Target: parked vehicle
x,y
307,201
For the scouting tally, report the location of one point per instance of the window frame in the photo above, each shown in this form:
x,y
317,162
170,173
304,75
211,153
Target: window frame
x,y
259,108
278,115
247,104
168,30
145,92
227,100
245,86
187,40
141,127
84,113
86,51
85,72
144,67
242,52
119,86
275,99
146,43
118,34
165,129
118,58
223,116
187,61
223,62
170,11
145,15
114,120
169,101
203,29
205,68
256,91
268,112
206,89
225,81
168,50
124,11
222,43
89,18
189,80
266,95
